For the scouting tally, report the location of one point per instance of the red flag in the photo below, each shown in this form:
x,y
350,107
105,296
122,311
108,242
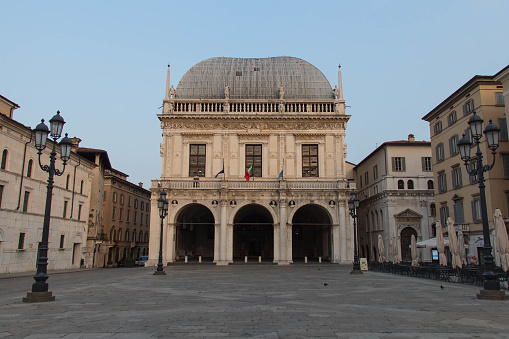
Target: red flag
x,y
249,173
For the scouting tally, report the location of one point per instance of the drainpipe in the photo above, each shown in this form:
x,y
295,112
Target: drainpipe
x,y
73,186
23,171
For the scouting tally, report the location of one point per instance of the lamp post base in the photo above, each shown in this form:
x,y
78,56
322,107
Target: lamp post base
x,y
159,273
492,295
38,297
355,272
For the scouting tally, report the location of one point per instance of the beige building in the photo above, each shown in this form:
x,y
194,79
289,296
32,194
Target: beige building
x,y
457,193
126,220
395,189
118,222
97,242
279,117
23,187
502,95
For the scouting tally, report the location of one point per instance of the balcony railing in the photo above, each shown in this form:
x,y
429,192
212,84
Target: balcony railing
x,y
253,184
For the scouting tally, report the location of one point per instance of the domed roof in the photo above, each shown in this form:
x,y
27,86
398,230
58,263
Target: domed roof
x,y
254,78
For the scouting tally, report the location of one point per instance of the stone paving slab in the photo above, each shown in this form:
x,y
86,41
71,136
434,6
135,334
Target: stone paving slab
x,y
248,301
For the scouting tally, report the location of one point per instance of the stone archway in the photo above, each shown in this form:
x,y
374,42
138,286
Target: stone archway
x,y
311,233
253,233
194,233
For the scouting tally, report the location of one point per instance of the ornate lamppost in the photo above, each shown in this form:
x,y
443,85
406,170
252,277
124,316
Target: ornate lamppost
x,y
492,132
40,287
162,204
353,204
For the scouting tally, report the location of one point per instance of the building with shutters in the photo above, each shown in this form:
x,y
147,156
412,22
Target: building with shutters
x,y
456,192
395,184
277,119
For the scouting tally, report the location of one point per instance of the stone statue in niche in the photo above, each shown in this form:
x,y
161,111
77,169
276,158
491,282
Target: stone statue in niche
x,y
172,92
281,92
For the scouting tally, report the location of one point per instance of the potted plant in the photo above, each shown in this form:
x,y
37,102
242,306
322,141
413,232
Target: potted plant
x,y
109,264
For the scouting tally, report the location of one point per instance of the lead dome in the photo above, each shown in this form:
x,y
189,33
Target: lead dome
x,y
254,78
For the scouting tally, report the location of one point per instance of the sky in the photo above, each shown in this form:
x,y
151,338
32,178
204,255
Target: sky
x,y
103,63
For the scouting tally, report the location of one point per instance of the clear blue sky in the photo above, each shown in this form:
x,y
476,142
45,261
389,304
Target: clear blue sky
x,y
103,63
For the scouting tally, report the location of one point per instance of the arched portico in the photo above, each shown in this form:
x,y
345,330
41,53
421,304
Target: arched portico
x,y
311,233
253,233
194,233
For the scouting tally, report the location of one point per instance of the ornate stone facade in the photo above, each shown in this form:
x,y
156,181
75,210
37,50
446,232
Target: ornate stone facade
x,y
395,185
279,116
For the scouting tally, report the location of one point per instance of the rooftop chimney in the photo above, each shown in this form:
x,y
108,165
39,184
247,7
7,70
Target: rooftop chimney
x,y
411,138
140,184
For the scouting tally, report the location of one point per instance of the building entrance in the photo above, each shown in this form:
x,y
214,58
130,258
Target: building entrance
x,y
194,233
406,240
253,233
311,234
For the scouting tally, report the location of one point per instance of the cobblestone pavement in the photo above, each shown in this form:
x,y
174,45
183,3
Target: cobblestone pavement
x,y
248,301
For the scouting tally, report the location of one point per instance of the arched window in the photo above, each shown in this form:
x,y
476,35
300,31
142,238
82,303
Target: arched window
x,y
111,234
432,210
430,184
29,168
401,184
376,221
134,235
4,159
120,235
410,184
81,187
67,181
126,235
140,238
381,220
146,236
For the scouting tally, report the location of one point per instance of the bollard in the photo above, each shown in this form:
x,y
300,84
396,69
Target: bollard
x,y
260,258
245,259
320,260
199,259
305,260
186,259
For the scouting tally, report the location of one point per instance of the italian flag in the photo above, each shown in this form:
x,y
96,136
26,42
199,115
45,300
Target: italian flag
x,y
249,173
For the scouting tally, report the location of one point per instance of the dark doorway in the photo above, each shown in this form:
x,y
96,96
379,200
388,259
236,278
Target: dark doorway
x,y
311,233
194,233
406,240
253,233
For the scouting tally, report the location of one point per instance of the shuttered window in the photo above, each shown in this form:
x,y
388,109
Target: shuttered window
x,y
398,164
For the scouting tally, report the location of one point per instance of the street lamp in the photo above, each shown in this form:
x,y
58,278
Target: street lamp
x,y
491,284
40,291
162,204
353,204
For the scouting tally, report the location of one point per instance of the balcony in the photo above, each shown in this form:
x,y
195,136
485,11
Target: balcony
x,y
461,227
255,184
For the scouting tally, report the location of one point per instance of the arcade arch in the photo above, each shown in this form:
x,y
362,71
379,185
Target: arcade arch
x,y
194,233
253,233
311,233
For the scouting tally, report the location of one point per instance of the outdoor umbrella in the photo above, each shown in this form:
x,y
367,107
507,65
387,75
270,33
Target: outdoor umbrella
x,y
395,255
413,250
440,245
381,249
453,244
461,248
503,242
